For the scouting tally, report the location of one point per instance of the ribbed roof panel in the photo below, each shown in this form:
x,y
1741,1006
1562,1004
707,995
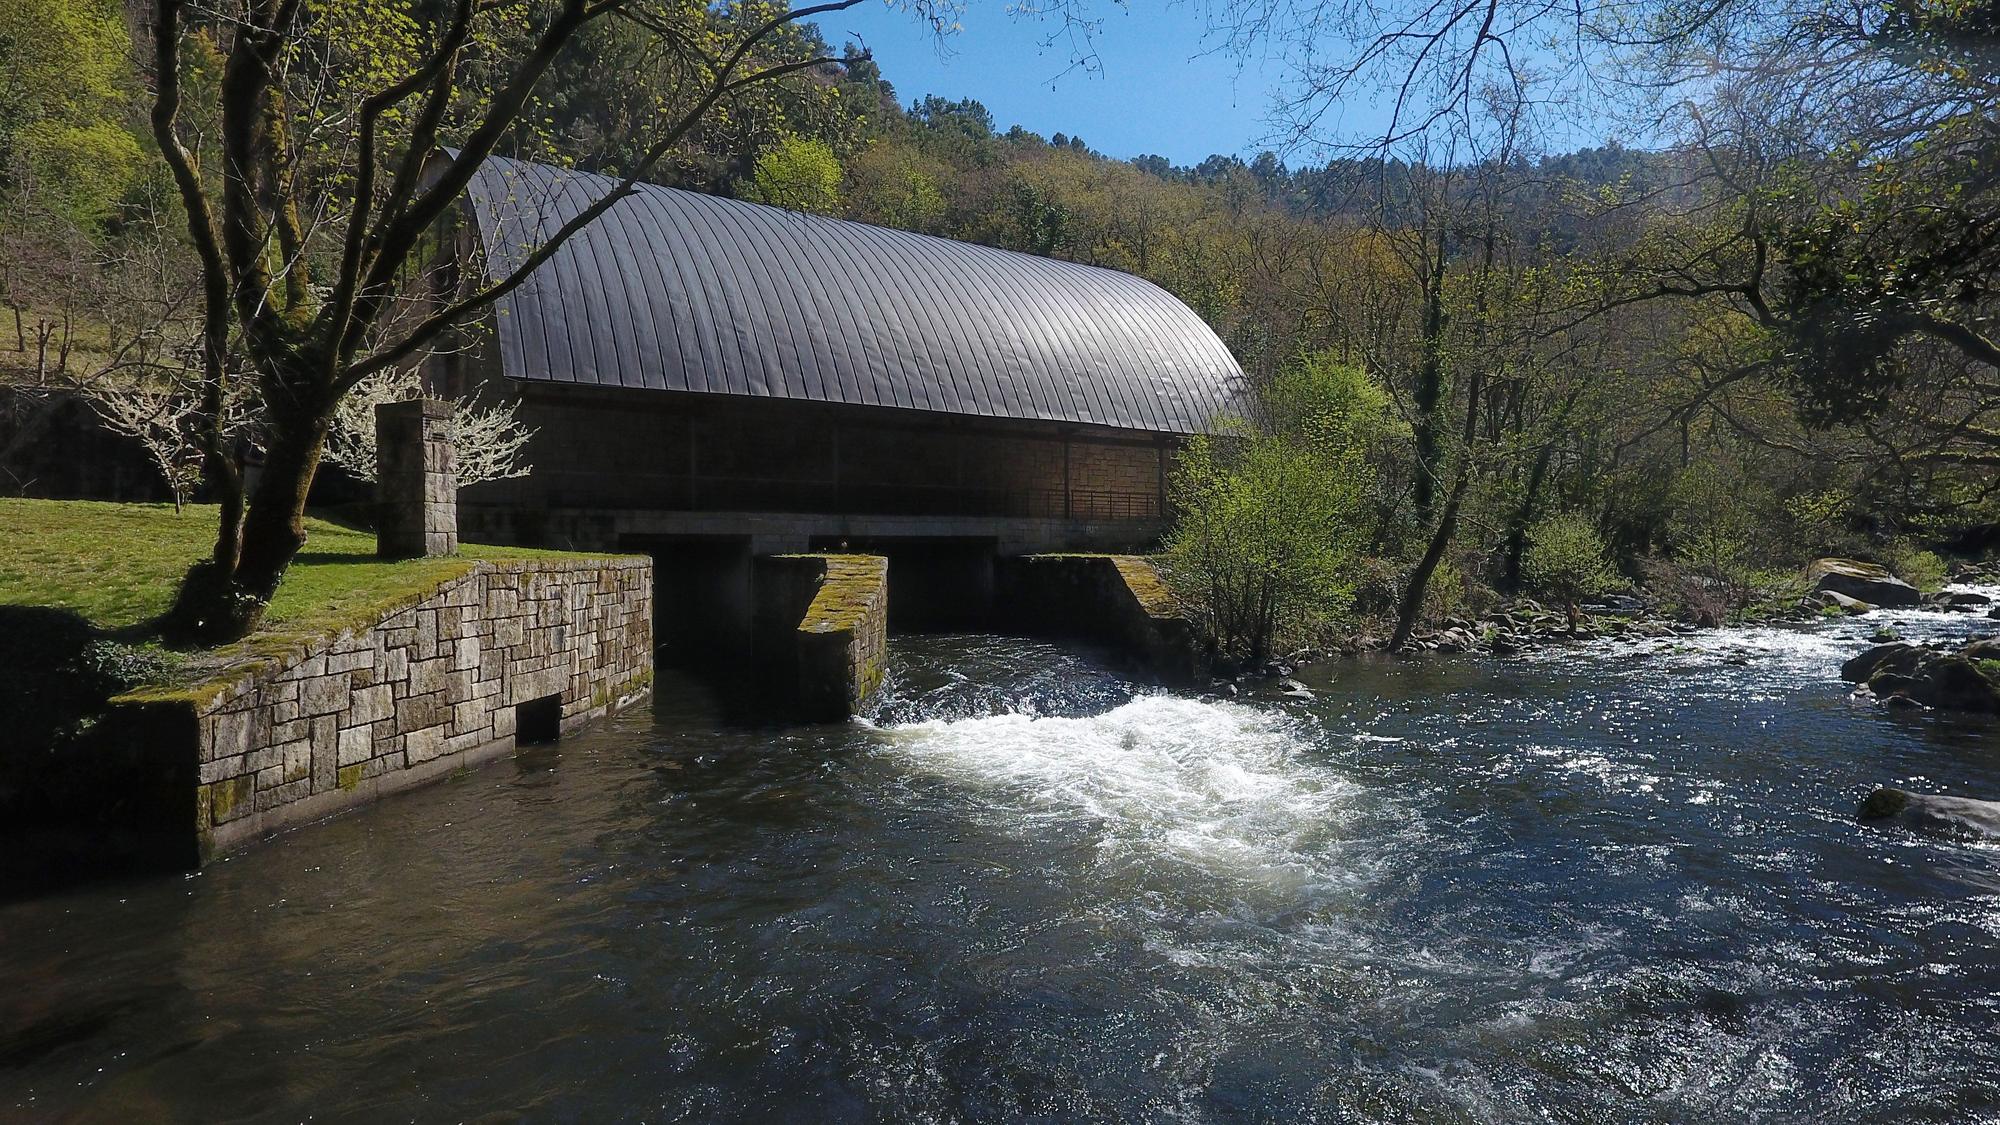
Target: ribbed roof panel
x,y
677,291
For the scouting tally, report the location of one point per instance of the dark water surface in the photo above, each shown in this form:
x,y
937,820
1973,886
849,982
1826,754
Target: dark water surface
x,y
1615,882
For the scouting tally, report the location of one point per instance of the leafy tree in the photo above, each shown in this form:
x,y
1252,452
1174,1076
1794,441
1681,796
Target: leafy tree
x,y
799,173
893,185
65,77
1268,514
1567,559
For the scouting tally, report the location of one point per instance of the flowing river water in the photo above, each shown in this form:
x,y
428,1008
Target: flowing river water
x,y
1616,881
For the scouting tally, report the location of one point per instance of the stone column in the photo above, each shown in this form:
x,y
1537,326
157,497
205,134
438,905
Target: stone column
x,y
416,480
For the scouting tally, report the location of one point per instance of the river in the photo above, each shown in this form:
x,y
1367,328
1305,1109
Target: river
x,y
1616,881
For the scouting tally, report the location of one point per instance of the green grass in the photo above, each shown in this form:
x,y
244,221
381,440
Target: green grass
x,y
118,566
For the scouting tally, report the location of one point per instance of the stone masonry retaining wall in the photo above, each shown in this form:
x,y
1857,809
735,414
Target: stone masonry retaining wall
x,y
822,625
422,691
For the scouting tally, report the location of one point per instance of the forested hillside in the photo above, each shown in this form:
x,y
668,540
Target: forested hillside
x,y
1762,342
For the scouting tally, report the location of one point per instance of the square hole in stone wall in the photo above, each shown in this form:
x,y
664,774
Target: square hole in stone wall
x,y
538,720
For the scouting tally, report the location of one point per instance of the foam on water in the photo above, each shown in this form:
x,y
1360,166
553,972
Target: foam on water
x,y
1228,789
1824,642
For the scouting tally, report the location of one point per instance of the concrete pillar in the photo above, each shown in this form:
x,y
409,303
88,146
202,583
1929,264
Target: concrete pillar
x,y
416,480
822,629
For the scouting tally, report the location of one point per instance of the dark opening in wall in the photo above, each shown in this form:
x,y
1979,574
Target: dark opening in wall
x,y
538,720
701,598
936,584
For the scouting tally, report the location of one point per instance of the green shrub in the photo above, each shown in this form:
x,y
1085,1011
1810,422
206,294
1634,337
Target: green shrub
x,y
1567,560
1264,545
1717,536
1920,568
57,671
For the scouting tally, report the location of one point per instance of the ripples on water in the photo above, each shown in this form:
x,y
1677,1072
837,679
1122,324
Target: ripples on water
x,y
1619,882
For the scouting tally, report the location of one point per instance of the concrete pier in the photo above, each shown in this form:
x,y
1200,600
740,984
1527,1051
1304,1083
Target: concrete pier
x,y
822,625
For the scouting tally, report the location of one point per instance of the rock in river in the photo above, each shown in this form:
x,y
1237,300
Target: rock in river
x,y
1931,812
1866,581
1899,657
1955,681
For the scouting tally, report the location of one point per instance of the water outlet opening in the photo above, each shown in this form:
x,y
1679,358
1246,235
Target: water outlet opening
x,y
538,720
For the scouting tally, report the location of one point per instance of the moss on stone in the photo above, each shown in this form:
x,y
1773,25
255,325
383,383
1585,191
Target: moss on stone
x,y
225,795
348,777
848,590
1148,586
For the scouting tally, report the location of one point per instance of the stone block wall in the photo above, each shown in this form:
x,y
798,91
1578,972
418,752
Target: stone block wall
x,y
1106,480
416,477
1115,600
423,690
822,625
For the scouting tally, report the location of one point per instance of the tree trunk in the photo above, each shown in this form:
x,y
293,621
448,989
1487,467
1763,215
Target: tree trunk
x,y
223,599
1420,579
1430,390
1517,536
274,528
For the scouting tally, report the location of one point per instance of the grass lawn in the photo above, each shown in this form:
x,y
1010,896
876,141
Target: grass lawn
x,y
118,565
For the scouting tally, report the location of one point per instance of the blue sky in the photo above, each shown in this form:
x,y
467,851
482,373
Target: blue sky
x,y
1160,84
1159,89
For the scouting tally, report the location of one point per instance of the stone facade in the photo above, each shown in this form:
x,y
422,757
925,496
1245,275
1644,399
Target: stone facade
x,y
54,446
823,629
416,479
424,690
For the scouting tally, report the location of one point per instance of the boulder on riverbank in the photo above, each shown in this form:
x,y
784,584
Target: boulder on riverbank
x,y
1866,582
1932,812
1964,679
1834,599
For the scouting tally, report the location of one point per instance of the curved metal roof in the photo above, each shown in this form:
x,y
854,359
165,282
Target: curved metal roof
x,y
674,290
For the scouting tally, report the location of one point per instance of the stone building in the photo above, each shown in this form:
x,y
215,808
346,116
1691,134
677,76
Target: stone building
x,y
711,380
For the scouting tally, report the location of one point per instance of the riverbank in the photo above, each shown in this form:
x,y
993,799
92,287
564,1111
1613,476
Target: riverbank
x,y
1523,624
